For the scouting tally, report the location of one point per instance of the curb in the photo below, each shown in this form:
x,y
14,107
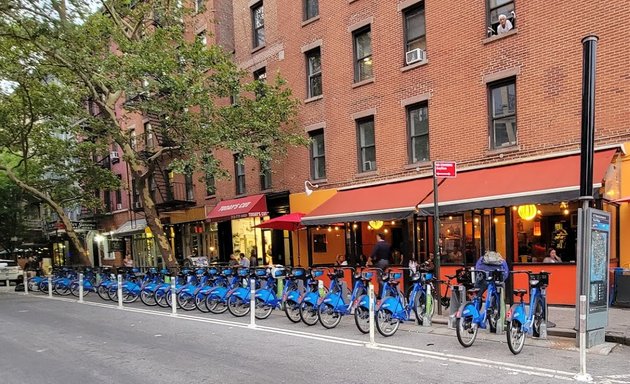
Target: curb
x,y
565,332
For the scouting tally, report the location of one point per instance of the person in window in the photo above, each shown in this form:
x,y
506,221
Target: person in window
x,y
504,25
552,257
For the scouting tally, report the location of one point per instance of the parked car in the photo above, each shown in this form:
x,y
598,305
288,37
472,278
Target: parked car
x,y
10,270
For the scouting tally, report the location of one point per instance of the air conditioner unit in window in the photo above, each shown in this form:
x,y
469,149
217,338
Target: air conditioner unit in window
x,y
368,166
415,55
137,204
118,206
114,156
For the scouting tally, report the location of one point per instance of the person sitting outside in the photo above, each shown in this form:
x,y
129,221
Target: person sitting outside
x,y
244,261
128,262
490,261
341,260
552,257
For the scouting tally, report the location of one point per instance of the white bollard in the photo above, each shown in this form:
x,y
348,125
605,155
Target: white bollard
x,y
80,287
25,276
49,286
252,304
372,343
583,376
173,296
119,291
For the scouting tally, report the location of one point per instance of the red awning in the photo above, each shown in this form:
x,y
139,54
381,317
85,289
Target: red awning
x,y
250,206
542,181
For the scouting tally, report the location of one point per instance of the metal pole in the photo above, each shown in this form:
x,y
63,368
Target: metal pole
x,y
252,303
25,277
80,287
49,286
119,292
372,343
583,376
174,296
436,237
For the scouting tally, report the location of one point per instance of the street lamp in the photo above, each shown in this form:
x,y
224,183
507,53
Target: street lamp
x,y
308,190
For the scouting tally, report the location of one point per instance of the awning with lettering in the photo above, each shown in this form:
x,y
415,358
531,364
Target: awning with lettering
x,y
250,206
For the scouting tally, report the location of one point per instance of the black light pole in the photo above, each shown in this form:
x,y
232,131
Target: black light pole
x,y
589,49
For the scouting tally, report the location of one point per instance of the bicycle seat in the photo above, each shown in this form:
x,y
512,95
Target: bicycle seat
x,y
520,292
473,290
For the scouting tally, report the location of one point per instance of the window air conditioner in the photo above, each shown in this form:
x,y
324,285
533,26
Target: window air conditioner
x,y
118,206
137,204
114,156
367,165
415,55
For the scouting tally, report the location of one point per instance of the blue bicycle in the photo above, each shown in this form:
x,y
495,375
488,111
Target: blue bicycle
x,y
520,322
334,306
471,317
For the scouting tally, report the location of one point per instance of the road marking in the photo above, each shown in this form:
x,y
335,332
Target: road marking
x,y
428,354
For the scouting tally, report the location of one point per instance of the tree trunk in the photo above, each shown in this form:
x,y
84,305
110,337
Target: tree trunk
x,y
148,205
84,257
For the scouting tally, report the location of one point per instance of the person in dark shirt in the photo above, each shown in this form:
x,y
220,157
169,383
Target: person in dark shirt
x,y
381,252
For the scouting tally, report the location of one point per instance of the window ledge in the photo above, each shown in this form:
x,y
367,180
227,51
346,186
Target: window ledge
x,y
314,98
501,151
364,175
418,165
210,197
318,181
258,48
414,65
309,21
120,210
363,82
492,38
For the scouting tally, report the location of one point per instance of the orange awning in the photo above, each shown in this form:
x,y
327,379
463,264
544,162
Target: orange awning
x,y
541,181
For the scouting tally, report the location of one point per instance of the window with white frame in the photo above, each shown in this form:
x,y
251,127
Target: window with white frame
x,y
258,25
362,54
318,155
366,144
502,113
314,71
418,130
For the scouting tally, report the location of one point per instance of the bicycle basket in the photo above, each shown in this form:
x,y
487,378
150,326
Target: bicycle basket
x,y
227,272
427,276
464,277
395,275
279,272
539,279
212,271
317,273
298,272
261,272
496,276
368,275
339,274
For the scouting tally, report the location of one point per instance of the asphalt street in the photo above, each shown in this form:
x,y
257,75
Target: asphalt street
x,y
61,341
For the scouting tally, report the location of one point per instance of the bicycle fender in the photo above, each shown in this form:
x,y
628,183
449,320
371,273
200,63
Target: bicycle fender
x,y
391,304
364,301
311,298
516,312
467,309
293,295
265,295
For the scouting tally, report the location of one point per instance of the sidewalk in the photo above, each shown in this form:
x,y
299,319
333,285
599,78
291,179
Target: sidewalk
x,y
617,331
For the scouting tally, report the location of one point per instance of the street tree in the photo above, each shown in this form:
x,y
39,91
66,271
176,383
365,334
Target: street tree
x,y
135,57
45,149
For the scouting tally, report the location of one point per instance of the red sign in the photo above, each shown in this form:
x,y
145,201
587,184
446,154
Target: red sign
x,y
445,169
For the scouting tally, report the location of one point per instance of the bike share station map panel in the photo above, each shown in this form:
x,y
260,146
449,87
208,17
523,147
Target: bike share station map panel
x,y
597,245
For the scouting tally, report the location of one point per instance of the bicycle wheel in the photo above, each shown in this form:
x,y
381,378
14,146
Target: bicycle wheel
x,y
169,299
420,307
74,289
186,301
539,317
101,291
309,314
148,298
493,312
292,310
215,304
160,298
515,337
32,285
466,331
61,289
200,302
263,310
362,318
129,296
237,306
328,316
386,324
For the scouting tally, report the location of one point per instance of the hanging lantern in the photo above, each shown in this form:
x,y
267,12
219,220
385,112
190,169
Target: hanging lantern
x,y
376,224
527,212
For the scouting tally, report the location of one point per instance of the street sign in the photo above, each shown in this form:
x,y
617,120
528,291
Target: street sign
x,y
446,169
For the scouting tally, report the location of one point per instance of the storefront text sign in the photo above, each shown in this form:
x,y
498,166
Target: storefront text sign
x,y
232,207
445,169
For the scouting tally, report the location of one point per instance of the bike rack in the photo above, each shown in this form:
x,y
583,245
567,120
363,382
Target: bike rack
x,y
25,277
173,296
372,343
543,324
252,304
80,287
427,317
502,311
119,288
458,297
49,286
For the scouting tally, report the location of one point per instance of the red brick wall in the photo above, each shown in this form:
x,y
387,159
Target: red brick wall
x,y
546,51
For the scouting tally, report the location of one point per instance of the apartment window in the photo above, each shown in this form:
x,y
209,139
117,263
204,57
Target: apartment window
x,y
258,24
367,146
107,200
188,181
314,70
418,129
311,9
318,155
362,54
133,141
198,6
119,193
136,193
497,8
415,32
502,114
265,175
211,188
260,75
149,141
152,186
202,38
239,172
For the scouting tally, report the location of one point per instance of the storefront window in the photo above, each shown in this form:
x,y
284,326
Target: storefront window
x,y
245,237
452,239
145,250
